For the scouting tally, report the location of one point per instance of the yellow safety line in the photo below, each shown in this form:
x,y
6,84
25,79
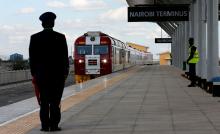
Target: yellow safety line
x,y
27,123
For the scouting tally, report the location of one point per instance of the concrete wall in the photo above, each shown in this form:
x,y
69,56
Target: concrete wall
x,y
8,77
14,76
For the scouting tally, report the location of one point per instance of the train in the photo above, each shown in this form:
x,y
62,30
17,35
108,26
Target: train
x,y
97,54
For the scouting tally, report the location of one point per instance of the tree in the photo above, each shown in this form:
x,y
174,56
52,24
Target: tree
x,y
19,65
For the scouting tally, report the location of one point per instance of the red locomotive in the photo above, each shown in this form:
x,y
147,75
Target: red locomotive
x,y
98,54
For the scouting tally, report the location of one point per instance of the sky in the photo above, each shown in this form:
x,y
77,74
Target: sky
x,y
20,19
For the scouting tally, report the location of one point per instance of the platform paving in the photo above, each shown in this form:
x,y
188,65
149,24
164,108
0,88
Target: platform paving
x,y
155,100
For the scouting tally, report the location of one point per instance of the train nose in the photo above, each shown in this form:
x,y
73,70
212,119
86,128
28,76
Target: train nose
x,y
104,61
92,64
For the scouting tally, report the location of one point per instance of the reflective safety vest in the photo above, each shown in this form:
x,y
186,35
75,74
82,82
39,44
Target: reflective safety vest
x,y
195,58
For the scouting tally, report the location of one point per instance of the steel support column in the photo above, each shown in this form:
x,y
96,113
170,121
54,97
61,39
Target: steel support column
x,y
174,56
172,49
195,31
195,22
182,43
202,70
191,21
186,44
212,46
178,46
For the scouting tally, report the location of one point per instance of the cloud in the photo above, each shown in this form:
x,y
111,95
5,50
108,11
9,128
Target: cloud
x,y
121,1
80,24
6,28
26,10
17,33
87,4
15,38
140,30
119,14
56,4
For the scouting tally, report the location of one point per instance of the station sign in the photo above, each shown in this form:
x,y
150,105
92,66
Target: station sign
x,y
158,13
163,40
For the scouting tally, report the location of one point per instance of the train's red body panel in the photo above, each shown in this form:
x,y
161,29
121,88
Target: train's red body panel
x,y
98,54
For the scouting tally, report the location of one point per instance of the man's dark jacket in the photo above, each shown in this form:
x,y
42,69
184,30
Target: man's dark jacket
x,y
49,57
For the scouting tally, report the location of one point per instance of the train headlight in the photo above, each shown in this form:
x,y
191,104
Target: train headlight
x,y
80,61
104,61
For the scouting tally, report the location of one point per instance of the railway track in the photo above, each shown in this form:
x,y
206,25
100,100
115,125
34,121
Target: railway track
x,y
16,92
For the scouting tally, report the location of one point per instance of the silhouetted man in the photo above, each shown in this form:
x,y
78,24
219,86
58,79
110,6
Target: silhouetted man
x,y
49,66
192,60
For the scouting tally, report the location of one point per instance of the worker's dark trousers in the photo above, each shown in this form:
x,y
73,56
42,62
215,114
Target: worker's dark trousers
x,y
192,73
50,97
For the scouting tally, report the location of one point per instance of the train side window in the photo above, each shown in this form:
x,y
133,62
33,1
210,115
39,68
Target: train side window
x,y
100,49
117,56
113,55
120,56
125,56
115,50
122,53
112,51
129,55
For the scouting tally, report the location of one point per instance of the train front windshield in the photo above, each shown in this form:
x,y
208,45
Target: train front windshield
x,y
100,49
84,50
87,50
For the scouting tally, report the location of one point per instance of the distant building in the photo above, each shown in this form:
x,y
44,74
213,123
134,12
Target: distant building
x,y
16,57
165,58
138,47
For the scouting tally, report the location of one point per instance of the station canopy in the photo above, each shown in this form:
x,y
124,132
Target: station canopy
x,y
168,26
143,2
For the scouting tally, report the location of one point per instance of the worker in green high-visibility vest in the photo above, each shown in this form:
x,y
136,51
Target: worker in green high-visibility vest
x,y
191,61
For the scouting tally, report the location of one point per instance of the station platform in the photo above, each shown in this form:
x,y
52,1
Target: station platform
x,y
140,100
